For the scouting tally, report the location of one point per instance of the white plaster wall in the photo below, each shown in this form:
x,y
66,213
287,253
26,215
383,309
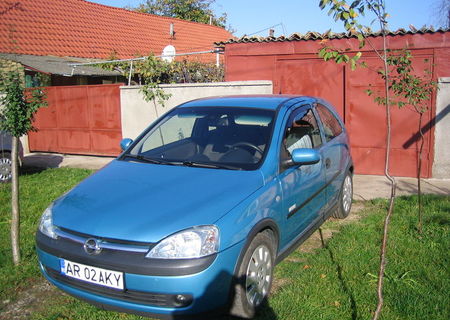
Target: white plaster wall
x,y
137,114
441,165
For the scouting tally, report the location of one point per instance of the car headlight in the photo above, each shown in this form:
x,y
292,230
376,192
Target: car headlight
x,y
46,225
191,243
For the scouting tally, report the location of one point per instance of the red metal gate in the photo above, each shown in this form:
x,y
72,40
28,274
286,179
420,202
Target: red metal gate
x,y
364,119
79,120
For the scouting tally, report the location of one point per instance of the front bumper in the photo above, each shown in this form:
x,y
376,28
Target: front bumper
x,y
150,294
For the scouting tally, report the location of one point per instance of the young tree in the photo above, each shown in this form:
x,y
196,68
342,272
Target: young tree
x,y
414,90
348,14
191,10
16,111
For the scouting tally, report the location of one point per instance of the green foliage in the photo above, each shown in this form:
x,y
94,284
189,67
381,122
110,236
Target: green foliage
x,y
348,13
152,72
408,86
18,106
191,10
339,56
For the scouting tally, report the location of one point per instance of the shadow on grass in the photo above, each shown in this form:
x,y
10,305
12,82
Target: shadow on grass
x,y
342,281
442,220
28,170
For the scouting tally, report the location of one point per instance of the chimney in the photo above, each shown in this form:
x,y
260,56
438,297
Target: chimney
x,y
271,32
172,30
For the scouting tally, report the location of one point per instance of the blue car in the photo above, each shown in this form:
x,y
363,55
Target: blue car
x,y
194,215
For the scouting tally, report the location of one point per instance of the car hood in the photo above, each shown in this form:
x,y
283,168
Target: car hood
x,y
147,202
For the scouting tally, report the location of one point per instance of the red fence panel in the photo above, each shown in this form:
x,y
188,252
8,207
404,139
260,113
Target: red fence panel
x,y
79,120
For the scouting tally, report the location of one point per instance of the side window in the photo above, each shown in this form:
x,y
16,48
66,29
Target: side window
x,y
301,131
331,126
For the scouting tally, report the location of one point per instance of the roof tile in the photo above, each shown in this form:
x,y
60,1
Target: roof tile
x,y
79,28
329,35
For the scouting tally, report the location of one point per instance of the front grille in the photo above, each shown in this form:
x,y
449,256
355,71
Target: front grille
x,y
141,297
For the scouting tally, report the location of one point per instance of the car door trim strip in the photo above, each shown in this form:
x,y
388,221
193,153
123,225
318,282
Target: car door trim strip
x,y
298,208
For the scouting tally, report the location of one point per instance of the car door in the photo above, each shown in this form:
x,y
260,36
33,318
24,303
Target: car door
x,y
302,186
333,151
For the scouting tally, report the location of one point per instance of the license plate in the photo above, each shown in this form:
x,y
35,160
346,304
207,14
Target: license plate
x,y
99,276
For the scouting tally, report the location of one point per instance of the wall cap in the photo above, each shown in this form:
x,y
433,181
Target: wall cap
x,y
209,84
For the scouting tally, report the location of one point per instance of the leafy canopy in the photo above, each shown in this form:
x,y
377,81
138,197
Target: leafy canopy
x,y
18,107
191,10
151,72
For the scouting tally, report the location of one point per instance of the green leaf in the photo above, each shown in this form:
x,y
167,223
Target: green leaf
x,y
322,52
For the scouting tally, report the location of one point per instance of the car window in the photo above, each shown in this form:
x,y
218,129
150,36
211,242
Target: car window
x,y
174,129
331,126
214,136
302,131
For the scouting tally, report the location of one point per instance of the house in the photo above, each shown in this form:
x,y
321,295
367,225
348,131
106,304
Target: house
x,y
293,65
45,36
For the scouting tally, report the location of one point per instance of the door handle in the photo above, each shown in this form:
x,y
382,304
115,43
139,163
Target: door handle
x,y
327,163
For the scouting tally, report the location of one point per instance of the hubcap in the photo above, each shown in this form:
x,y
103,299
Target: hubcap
x,y
5,169
347,194
259,274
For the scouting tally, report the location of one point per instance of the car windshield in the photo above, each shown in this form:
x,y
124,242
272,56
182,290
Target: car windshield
x,y
211,137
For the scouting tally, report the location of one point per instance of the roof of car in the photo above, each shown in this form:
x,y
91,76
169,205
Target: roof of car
x,y
270,102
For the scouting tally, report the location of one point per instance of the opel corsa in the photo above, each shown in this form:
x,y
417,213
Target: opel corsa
x,y
194,215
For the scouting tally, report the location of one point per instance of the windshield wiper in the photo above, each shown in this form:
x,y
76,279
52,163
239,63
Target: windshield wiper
x,y
145,159
209,165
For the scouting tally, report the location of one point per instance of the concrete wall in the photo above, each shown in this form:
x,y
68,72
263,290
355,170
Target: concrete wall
x,y
137,114
441,165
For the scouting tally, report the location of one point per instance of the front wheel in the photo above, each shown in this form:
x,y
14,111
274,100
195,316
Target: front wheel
x,y
5,167
255,276
345,198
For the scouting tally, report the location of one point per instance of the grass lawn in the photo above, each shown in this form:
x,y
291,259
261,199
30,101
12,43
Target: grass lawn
x,y
37,191
337,281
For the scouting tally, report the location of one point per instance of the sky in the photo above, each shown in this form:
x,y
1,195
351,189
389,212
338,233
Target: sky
x,y
256,17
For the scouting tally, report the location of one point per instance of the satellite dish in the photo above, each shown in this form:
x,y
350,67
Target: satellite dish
x,y
168,53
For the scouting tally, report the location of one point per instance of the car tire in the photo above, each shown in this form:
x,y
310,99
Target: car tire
x,y
345,198
254,277
5,166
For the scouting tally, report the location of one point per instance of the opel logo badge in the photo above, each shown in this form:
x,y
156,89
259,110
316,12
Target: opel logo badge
x,y
91,246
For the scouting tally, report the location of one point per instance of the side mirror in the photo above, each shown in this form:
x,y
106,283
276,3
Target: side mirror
x,y
305,156
125,143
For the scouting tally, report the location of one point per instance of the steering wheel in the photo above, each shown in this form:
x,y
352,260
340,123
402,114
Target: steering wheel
x,y
247,144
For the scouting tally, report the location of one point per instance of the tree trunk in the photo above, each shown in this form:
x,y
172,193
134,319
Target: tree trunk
x,y
387,219
15,214
419,172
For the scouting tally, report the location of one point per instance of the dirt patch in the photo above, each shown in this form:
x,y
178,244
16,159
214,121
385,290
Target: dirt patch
x,y
30,300
320,237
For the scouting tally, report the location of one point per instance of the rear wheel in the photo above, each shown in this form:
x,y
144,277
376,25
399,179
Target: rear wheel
x,y
345,198
5,166
255,276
